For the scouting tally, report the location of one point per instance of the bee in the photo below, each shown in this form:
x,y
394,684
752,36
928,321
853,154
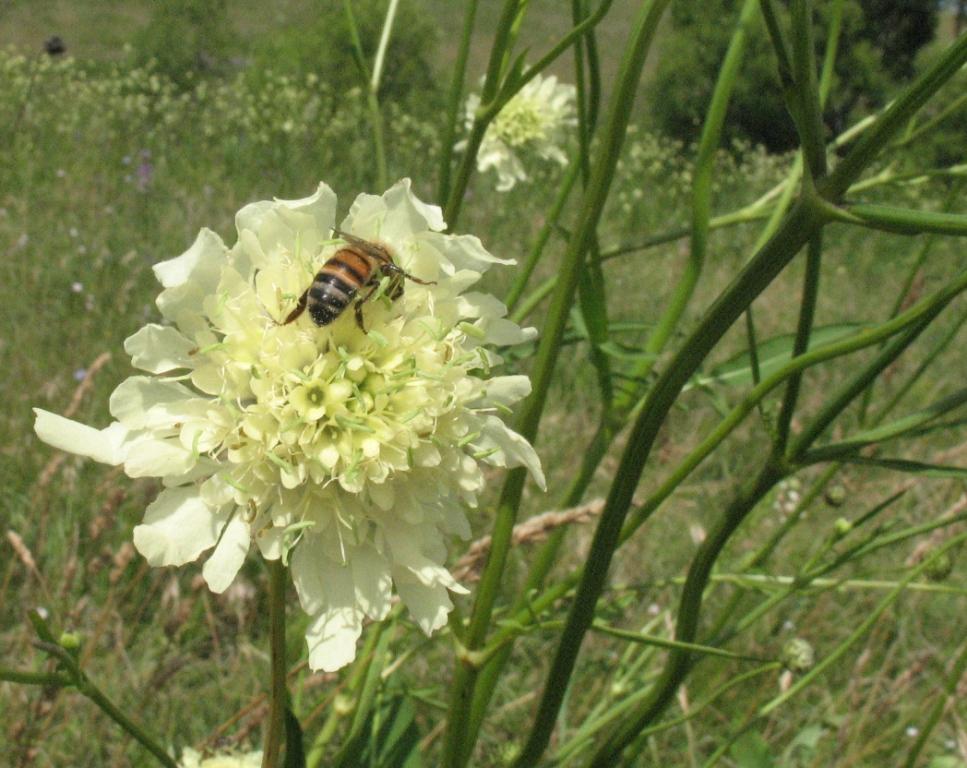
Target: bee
x,y
358,265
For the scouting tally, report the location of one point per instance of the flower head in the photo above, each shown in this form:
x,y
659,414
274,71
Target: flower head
x,y
349,453
534,121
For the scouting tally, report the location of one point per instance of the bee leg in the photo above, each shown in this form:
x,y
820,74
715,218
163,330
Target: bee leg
x,y
398,271
300,307
358,309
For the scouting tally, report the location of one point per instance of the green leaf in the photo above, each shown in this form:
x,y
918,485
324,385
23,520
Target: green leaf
x,y
773,354
390,738
751,751
924,469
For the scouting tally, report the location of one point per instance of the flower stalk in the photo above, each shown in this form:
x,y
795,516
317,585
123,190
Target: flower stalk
x,y
277,690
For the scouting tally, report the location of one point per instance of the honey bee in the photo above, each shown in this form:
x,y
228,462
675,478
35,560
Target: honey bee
x,y
359,264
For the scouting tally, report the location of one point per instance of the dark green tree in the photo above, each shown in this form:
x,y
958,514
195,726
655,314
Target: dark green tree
x,y
878,46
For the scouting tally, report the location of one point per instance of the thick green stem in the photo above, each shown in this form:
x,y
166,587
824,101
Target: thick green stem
x,y
277,691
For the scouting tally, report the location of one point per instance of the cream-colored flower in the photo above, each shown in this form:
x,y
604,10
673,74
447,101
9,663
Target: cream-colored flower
x,y
192,759
535,121
351,454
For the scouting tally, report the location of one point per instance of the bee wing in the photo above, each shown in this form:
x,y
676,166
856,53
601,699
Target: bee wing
x,y
370,249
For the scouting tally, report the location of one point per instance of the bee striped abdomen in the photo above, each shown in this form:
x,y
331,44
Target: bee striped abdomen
x,y
336,284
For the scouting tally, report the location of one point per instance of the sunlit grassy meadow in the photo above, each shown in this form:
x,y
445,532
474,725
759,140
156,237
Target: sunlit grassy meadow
x,y
110,167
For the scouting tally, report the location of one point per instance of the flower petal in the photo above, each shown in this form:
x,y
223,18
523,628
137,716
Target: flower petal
x,y
223,564
428,605
141,402
103,445
178,526
198,265
289,225
159,349
372,581
332,637
508,449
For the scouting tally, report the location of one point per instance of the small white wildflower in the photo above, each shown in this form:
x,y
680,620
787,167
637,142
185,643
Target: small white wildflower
x,y
534,121
192,759
351,455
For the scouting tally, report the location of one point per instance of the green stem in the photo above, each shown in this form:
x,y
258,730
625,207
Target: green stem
x,y
890,122
946,697
524,272
810,123
89,690
454,101
502,40
754,278
903,221
701,198
277,691
807,312
57,679
861,630
679,661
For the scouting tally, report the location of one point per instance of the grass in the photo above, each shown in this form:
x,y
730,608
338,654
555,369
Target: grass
x,y
101,183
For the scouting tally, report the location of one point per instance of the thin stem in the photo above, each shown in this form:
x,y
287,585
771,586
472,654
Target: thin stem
x,y
807,311
524,272
372,85
455,101
947,695
890,122
862,629
277,691
89,690
701,194
679,661
383,45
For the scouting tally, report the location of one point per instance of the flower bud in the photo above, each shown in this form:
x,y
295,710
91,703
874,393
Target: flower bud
x,y
835,495
798,655
841,528
939,567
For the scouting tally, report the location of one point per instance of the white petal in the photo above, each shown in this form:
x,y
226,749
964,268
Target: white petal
x,y
318,580
372,581
271,542
223,564
464,252
475,304
428,606
137,396
505,333
289,224
200,263
505,390
395,216
178,526
103,445
147,456
512,450
332,637
159,349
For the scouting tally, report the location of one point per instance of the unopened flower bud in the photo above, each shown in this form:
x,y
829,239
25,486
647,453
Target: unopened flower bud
x,y
835,495
841,527
939,567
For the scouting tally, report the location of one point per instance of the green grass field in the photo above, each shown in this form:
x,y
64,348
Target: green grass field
x,y
110,168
